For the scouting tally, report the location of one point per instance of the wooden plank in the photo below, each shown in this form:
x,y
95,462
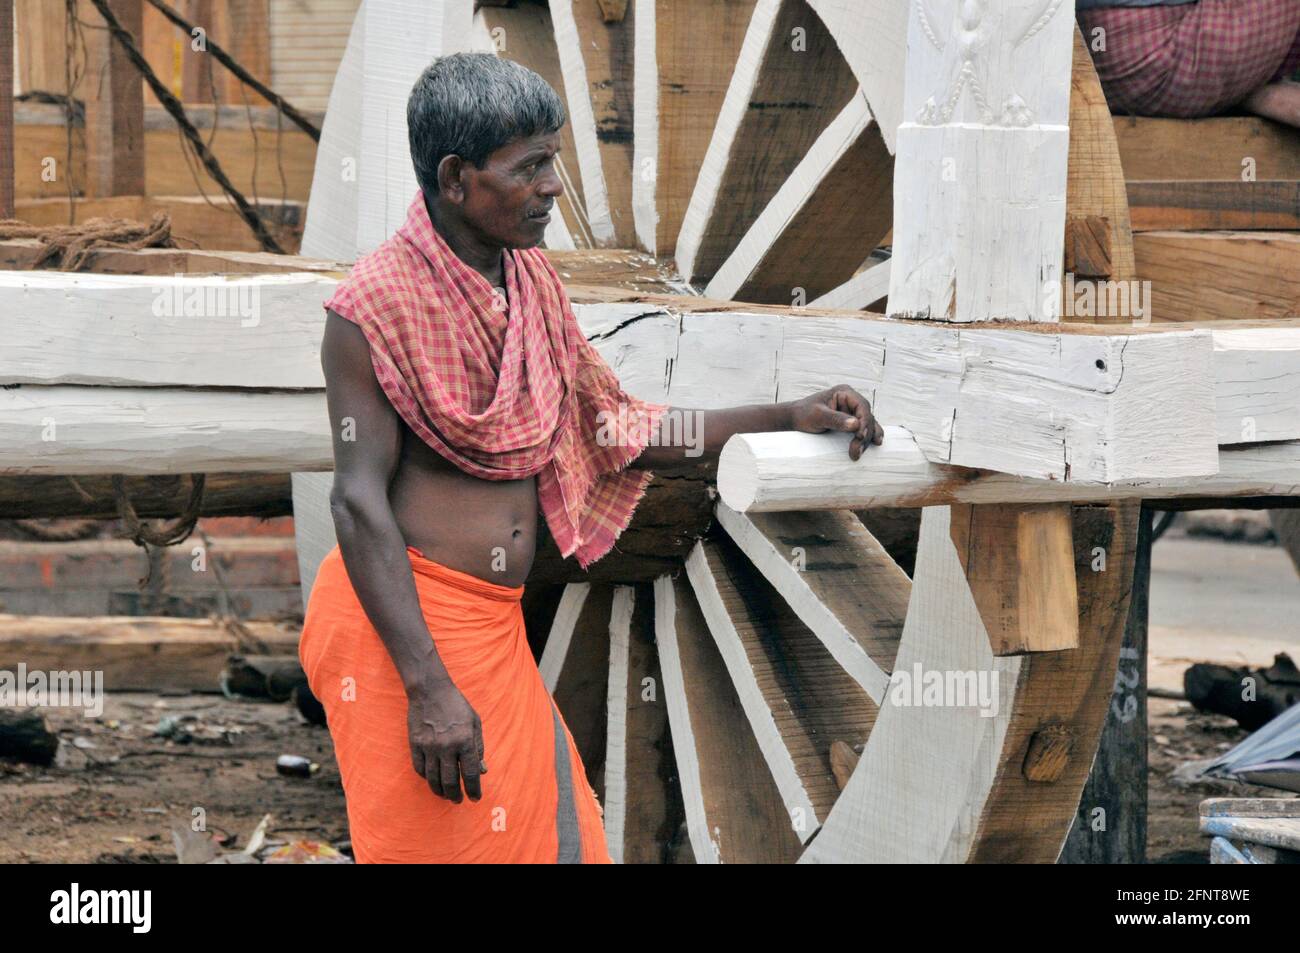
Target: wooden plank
x,y
837,579
596,64
919,788
6,108
136,653
87,497
868,287
560,634
715,749
1019,564
789,83
1250,807
114,98
524,33
42,27
1174,205
830,214
1247,412
1026,816
1089,407
795,694
1095,197
637,793
211,331
777,472
241,151
1218,148
1220,276
579,687
307,42
980,183
1281,833
128,430
872,35
1110,824
685,55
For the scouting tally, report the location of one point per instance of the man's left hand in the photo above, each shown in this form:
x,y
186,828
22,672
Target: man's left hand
x,y
838,408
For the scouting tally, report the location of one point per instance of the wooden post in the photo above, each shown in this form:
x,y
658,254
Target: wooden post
x,y
114,96
1116,793
6,109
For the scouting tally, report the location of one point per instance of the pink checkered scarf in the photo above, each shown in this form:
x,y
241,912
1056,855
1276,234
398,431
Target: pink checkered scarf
x,y
502,394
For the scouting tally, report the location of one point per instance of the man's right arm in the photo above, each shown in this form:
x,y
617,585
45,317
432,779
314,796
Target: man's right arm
x,y
367,447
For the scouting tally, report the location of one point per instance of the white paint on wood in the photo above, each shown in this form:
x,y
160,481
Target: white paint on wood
x,y
853,121
1257,385
979,185
145,430
774,472
925,774
578,99
1066,405
863,289
679,722
560,637
872,35
645,125
735,105
202,330
364,179
766,732
616,706
792,584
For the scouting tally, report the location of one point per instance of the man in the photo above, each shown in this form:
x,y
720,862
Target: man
x,y
462,395
1194,58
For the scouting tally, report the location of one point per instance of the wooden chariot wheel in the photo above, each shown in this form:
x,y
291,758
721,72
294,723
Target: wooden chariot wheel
x,y
726,676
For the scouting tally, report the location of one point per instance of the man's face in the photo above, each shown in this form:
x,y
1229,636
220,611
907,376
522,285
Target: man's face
x,y
507,200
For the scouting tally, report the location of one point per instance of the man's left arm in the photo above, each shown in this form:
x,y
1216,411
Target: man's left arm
x,y
686,435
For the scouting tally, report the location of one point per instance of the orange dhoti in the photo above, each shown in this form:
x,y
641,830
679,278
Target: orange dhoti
x,y
537,806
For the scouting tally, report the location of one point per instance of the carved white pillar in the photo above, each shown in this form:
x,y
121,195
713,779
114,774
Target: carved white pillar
x,y
979,181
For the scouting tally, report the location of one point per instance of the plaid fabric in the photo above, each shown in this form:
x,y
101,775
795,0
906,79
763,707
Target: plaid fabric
x,y
1195,59
504,393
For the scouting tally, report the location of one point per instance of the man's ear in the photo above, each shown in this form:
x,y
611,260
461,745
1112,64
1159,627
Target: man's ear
x,y
450,183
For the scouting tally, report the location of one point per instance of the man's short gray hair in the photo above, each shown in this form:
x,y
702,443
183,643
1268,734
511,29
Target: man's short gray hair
x,y
470,105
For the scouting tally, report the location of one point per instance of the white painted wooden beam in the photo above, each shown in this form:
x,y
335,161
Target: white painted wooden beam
x,y
840,171
872,35
199,330
143,430
616,708
364,179
560,637
836,578
795,696
1257,385
862,290
774,472
979,193
918,790
714,749
789,82
1071,404
577,97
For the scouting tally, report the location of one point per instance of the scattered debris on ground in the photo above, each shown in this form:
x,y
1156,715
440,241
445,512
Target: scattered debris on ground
x,y
151,765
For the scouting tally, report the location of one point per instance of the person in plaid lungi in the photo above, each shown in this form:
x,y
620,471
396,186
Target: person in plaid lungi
x,y
1193,58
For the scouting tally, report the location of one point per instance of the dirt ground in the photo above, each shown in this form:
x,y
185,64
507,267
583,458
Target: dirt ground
x,y
117,789
117,801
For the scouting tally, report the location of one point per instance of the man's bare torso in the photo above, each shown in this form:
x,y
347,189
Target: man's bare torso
x,y
487,528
